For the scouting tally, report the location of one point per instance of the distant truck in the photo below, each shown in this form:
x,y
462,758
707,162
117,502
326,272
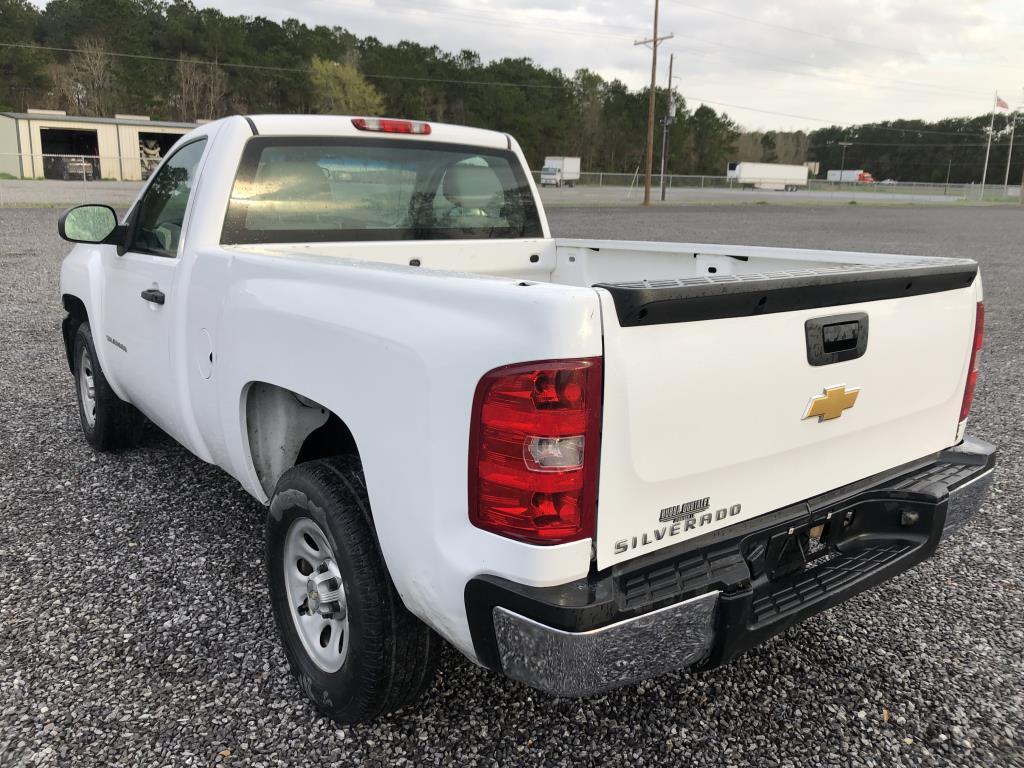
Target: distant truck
x,y
559,171
852,177
774,176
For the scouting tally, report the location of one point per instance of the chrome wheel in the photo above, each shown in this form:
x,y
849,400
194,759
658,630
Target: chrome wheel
x,y
316,594
87,388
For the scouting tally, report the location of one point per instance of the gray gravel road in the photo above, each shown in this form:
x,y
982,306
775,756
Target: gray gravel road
x,y
135,627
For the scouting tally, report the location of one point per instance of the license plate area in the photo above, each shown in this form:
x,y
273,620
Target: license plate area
x,y
826,538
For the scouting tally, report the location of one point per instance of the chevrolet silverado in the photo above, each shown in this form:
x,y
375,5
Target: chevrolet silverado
x,y
581,462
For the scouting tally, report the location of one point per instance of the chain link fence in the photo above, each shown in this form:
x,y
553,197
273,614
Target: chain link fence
x,y
65,179
992,192
61,179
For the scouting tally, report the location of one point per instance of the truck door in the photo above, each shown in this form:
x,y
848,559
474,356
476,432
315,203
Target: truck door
x,y
140,301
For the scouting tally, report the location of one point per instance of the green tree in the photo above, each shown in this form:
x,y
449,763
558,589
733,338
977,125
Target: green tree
x,y
340,90
768,146
713,140
24,81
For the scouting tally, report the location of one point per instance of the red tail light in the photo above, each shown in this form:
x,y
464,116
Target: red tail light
x,y
534,448
389,125
972,370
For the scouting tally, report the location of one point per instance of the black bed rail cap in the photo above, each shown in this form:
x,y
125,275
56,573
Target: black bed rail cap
x,y
709,297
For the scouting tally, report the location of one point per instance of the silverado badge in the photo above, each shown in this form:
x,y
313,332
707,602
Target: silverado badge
x,y
832,403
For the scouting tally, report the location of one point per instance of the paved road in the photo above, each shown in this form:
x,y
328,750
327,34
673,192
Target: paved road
x,y
62,194
135,628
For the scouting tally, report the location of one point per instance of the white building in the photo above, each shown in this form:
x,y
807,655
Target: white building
x,y
43,143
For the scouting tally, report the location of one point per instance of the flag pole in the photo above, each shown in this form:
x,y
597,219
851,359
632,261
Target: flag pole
x,y
1009,155
988,147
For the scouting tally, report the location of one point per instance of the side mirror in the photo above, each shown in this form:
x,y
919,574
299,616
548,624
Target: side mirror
x,y
88,224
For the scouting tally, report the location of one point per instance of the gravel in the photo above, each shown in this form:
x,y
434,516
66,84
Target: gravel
x,y
135,627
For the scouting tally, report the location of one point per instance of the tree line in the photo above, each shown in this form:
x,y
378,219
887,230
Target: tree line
x,y
918,150
171,60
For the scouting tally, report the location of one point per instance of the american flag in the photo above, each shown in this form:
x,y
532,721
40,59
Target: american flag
x,y
1000,104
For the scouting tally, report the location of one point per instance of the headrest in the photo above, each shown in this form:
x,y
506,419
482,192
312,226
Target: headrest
x,y
470,186
302,178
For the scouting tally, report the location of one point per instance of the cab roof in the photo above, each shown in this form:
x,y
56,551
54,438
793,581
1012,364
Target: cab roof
x,y
341,125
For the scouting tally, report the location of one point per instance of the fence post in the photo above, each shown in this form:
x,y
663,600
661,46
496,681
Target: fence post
x,y
600,179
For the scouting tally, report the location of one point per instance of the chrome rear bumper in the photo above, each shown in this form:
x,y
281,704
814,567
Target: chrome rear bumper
x,y
897,522
585,663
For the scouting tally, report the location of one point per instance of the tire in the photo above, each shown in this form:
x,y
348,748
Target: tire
x,y
108,422
379,657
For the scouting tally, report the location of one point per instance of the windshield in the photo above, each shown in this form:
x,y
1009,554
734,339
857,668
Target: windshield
x,y
291,190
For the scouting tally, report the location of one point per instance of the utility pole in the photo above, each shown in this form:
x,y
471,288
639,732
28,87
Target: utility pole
x,y
670,113
842,164
654,41
949,169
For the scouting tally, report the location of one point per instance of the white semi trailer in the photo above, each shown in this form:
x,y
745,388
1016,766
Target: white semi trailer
x,y
855,176
774,176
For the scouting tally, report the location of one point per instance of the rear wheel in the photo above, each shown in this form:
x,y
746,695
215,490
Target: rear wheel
x,y
354,648
108,422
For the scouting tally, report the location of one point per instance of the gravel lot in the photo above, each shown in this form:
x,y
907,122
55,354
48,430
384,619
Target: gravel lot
x,y
135,627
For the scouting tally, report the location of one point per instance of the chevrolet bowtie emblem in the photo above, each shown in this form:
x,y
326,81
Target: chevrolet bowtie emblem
x,y
831,404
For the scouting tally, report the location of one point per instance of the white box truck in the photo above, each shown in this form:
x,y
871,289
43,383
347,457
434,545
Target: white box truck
x,y
559,171
775,176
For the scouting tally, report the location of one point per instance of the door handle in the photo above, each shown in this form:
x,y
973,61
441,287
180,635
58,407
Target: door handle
x,y
154,295
836,339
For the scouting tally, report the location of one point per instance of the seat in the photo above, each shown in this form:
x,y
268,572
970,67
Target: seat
x,y
476,196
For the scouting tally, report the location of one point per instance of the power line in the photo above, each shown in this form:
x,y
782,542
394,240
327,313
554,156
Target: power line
x,y
591,28
594,28
844,41
265,68
904,85
451,81
828,122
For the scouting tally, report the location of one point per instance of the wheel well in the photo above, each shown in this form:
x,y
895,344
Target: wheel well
x,y
285,429
76,315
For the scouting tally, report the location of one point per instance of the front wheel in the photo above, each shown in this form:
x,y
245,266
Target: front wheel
x,y
108,422
354,648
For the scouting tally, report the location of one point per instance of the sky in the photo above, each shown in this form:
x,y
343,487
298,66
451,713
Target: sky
x,y
793,64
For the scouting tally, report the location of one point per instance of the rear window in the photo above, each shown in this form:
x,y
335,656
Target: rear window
x,y
292,190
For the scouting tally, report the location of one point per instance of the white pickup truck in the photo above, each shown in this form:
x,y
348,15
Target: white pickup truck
x,y
582,463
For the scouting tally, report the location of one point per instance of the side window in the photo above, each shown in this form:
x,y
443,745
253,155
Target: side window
x,y
162,207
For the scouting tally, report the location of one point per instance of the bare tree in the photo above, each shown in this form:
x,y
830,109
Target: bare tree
x,y
65,92
84,84
202,90
92,74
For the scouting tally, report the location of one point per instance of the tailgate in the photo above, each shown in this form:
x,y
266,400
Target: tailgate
x,y
714,413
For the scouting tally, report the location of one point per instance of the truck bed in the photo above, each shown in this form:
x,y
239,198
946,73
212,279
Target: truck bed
x,y
714,356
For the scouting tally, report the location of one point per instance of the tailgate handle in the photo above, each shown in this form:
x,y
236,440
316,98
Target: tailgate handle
x,y
836,338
